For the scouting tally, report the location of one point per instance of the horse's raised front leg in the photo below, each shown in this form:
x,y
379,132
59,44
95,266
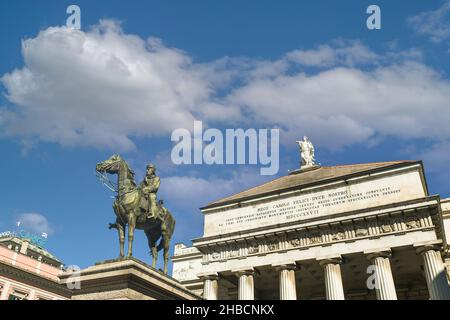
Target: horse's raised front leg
x,y
131,227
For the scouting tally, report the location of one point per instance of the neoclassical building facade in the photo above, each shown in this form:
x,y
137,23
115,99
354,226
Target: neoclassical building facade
x,y
361,231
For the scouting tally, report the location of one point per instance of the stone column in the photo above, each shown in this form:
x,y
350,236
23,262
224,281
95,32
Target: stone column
x,y
333,278
5,291
210,286
31,295
447,266
384,281
246,284
288,290
435,273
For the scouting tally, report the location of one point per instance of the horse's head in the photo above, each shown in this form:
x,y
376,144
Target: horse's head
x,y
116,165
111,165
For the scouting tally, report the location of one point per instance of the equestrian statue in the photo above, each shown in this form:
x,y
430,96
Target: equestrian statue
x,y
137,207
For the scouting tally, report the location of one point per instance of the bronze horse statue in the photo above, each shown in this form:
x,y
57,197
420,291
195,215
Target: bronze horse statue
x,y
128,212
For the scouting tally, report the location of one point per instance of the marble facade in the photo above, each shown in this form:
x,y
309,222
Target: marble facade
x,y
324,233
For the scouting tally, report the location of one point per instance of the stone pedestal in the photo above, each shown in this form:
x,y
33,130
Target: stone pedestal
x,y
125,279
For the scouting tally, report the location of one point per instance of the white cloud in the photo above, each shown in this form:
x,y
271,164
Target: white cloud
x,y
349,104
35,222
349,53
193,192
433,24
102,87
436,159
437,156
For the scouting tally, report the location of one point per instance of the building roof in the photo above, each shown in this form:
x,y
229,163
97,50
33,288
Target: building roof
x,y
13,242
311,176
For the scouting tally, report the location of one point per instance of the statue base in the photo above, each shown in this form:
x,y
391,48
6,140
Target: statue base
x,y
125,279
304,169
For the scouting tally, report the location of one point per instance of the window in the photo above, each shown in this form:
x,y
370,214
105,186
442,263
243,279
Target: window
x,y
17,295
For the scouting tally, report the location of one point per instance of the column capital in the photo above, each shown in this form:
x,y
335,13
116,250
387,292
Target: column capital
x,y
423,247
208,276
334,259
243,272
379,253
210,285
285,265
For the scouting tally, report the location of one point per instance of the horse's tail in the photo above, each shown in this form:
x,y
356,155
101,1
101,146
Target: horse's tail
x,y
169,222
160,245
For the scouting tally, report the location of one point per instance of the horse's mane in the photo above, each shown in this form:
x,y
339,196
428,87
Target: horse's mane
x,y
131,175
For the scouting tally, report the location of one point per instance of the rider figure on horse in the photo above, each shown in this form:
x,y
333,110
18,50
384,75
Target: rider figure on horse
x,y
149,187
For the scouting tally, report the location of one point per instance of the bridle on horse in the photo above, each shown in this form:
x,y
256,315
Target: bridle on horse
x,y
104,179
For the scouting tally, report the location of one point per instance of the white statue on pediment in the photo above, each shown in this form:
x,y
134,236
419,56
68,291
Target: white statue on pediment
x,y
306,153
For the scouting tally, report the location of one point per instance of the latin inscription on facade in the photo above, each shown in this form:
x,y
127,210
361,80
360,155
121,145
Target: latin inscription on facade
x,y
327,201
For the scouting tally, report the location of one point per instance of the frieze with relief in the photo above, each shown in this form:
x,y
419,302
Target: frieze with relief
x,y
346,231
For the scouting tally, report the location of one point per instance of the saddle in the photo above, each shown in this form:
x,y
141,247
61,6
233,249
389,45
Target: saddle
x,y
145,207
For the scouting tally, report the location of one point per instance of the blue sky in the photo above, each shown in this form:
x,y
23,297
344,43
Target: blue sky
x,y
139,69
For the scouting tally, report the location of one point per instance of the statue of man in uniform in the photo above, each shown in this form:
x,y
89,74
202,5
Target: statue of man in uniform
x,y
149,187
